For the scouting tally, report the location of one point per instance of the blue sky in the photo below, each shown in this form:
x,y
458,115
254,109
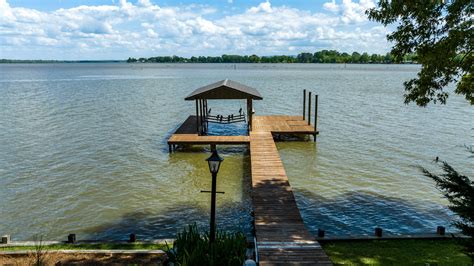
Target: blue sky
x,y
117,29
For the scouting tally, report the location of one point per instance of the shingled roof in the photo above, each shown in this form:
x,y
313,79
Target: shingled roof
x,y
225,90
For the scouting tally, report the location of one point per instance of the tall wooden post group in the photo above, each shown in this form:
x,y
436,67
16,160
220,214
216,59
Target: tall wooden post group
x,y
308,118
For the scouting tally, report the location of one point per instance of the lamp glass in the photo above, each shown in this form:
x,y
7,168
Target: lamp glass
x,y
214,162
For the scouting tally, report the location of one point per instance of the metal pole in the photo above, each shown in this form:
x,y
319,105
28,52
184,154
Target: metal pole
x,y
309,109
212,233
304,104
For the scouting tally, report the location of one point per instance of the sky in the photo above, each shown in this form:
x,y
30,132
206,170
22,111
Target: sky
x,y
118,29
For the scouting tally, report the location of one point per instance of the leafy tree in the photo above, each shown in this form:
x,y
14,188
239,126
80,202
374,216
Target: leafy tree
x,y
459,190
355,57
438,32
364,58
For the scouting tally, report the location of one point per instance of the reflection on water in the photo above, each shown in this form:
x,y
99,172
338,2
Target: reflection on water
x,y
83,149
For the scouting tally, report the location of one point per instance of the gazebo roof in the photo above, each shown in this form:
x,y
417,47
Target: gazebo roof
x,y
225,90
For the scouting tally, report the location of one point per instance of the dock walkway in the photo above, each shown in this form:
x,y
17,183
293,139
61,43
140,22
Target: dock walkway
x,y
282,238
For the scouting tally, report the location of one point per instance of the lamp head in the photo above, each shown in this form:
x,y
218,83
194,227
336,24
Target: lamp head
x,y
214,162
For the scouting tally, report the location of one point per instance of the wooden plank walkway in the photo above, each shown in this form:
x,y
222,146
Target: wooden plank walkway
x,y
282,124
204,140
282,238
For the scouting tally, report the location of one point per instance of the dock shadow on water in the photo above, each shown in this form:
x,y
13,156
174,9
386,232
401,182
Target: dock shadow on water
x,y
150,226
163,219
359,212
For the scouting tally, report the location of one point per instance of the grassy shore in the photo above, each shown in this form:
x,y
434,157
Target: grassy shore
x,y
396,252
103,246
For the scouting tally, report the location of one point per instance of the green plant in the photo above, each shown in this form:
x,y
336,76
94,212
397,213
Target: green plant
x,y
193,248
39,254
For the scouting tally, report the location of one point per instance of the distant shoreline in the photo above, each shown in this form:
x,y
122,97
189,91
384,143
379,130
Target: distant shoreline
x,y
2,61
16,61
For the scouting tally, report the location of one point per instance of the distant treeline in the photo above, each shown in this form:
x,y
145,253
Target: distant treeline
x,y
324,56
17,61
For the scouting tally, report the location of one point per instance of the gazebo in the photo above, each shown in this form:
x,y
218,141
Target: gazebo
x,y
222,90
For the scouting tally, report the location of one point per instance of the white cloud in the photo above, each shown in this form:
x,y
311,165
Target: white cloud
x,y
146,29
263,7
350,12
151,33
331,6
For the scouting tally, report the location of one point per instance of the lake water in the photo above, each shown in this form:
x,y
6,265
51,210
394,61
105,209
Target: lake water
x,y
83,149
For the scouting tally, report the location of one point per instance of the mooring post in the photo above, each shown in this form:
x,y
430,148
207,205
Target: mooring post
x,y
169,148
309,109
440,230
132,238
6,239
304,104
213,147
320,233
378,232
315,115
71,238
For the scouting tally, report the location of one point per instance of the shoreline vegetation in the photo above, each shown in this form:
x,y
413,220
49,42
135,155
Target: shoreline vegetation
x,y
374,252
321,57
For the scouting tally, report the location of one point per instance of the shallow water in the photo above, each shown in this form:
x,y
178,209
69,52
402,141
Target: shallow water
x,y
83,149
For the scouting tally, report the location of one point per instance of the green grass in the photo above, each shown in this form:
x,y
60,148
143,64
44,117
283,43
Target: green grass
x,y
396,252
91,246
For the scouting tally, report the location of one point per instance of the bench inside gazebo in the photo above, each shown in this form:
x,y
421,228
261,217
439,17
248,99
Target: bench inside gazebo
x,y
222,90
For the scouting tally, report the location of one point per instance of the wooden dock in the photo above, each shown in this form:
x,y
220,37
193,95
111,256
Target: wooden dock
x,y
282,238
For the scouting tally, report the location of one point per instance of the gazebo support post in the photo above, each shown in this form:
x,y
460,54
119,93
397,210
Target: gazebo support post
x,y
249,112
197,117
206,111
200,114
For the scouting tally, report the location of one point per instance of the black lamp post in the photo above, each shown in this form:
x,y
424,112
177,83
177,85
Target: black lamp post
x,y
214,163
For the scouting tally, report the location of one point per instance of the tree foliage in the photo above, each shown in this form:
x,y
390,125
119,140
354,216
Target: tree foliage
x,y
459,190
323,56
441,34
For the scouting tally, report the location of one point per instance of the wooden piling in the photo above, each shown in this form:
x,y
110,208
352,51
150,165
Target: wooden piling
x,y
6,239
440,230
378,232
321,233
71,238
315,112
309,109
132,238
304,104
